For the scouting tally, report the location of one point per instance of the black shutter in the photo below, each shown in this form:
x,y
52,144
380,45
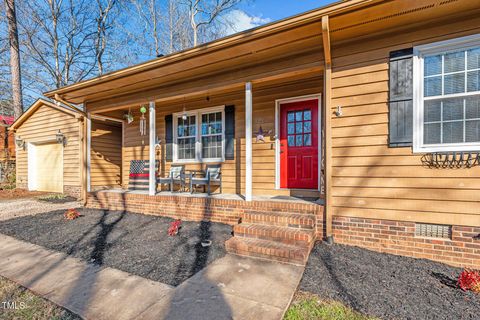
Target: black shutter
x,y
169,138
401,98
229,132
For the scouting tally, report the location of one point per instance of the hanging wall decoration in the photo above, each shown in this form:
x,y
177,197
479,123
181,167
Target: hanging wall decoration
x,y
143,121
129,116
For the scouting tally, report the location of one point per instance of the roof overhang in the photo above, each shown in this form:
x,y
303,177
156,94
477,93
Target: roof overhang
x,y
348,21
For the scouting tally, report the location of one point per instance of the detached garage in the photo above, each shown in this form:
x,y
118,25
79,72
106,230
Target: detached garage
x,y
49,153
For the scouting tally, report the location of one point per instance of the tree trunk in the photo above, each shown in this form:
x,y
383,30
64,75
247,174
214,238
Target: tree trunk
x,y
14,58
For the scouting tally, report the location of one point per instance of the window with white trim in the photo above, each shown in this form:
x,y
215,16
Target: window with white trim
x,y
205,144
447,96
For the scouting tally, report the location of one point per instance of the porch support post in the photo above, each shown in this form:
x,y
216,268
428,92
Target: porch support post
x,y
151,178
248,141
328,128
89,152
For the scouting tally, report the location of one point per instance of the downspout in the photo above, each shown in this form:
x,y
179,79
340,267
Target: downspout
x,y
84,149
328,128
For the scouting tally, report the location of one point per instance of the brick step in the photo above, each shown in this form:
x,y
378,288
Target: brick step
x,y
270,250
284,219
280,234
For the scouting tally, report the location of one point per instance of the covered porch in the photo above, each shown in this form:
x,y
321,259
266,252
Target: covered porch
x,y
243,131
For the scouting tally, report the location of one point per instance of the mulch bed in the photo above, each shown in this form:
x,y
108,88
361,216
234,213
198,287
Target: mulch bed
x,y
388,286
135,243
9,194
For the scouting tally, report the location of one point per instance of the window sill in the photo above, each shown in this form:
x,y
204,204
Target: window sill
x,y
461,148
195,161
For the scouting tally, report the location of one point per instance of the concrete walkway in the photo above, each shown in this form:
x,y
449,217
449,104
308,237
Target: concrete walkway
x,y
230,288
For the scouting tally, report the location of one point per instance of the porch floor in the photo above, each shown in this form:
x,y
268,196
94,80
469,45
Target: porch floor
x,y
220,196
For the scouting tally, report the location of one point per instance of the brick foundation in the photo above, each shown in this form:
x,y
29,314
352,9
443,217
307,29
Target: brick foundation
x,y
396,237
73,191
193,208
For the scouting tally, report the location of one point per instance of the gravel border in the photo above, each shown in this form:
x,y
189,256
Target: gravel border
x,y
388,286
135,243
10,209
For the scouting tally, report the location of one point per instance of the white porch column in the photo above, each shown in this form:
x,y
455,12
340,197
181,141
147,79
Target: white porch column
x,y
248,141
89,152
151,179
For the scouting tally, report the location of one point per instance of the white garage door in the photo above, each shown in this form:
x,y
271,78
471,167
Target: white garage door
x,y
45,167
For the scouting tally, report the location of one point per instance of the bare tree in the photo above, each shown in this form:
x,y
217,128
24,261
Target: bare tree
x,y
203,13
14,58
59,38
103,24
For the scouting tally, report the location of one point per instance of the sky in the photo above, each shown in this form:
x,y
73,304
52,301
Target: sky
x,y
254,13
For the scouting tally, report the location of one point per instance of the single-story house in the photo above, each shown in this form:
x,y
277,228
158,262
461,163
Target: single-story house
x,y
358,122
49,140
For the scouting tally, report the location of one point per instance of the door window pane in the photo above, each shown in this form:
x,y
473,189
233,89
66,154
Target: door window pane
x,y
291,128
299,127
307,140
298,140
299,116
291,116
307,115
307,127
291,141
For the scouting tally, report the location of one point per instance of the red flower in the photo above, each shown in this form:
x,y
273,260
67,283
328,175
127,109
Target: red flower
x,y
469,280
174,226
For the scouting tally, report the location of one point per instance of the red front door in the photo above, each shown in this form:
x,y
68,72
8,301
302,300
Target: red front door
x,y
299,145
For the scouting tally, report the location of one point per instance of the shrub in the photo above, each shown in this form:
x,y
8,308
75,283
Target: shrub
x,y
469,280
71,214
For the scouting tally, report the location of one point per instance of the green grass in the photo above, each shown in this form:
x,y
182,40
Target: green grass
x,y
29,306
309,307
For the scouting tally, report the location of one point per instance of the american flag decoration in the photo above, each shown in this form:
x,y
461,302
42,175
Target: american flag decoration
x,y
139,174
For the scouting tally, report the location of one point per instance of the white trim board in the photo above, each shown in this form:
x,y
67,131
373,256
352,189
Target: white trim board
x,y
278,102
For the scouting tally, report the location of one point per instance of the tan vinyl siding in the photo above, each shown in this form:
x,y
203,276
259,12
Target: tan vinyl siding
x,y
371,180
42,125
106,154
136,147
